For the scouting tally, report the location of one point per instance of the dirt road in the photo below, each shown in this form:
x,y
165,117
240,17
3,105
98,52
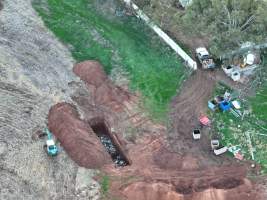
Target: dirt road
x,y
186,108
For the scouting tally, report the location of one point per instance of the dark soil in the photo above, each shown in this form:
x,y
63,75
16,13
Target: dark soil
x,y
106,138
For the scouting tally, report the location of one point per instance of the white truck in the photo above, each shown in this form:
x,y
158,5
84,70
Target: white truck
x,y
204,58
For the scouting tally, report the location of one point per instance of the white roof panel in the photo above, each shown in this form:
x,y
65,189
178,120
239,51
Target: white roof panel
x,y
50,142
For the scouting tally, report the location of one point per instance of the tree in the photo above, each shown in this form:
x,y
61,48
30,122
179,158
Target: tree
x,y
228,23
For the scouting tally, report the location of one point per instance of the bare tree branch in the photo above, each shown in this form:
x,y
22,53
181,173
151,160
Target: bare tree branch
x,y
248,22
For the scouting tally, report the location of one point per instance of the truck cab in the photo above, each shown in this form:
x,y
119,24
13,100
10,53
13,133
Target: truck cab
x,y
51,147
204,58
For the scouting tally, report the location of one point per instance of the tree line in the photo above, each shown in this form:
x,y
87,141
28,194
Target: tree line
x,y
226,23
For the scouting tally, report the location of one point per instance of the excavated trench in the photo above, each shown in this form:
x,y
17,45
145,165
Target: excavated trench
x,y
110,142
188,187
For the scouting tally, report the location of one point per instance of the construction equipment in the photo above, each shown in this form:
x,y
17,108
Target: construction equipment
x,y
50,145
204,58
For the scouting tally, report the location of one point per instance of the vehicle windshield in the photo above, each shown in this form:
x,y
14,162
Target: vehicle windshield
x,y
51,147
204,57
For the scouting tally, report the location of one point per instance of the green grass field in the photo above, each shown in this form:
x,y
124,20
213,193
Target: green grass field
x,y
259,105
235,131
152,68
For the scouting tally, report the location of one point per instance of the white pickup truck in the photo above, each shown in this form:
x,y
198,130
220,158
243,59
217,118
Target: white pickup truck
x,y
204,58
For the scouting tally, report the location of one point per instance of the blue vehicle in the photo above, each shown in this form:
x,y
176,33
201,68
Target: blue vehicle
x,y
51,147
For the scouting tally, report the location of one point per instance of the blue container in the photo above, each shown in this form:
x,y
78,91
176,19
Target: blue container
x,y
211,105
225,106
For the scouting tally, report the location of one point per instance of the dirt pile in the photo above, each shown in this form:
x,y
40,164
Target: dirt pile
x,y
91,72
163,191
77,137
104,91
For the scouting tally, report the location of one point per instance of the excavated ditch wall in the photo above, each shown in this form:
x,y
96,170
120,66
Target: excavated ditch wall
x,y
77,137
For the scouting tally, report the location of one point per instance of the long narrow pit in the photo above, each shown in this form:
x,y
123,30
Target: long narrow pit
x,y
110,143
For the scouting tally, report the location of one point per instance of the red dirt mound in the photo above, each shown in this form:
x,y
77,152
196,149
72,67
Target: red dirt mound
x,y
164,191
111,96
77,137
90,72
105,92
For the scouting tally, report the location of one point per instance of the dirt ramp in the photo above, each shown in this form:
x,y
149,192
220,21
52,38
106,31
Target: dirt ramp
x,y
77,137
104,91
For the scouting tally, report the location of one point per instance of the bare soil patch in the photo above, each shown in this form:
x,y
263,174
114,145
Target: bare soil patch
x,y
104,91
186,108
173,168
